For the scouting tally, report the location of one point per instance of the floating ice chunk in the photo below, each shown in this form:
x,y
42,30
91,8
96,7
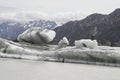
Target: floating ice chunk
x,y
28,35
37,35
63,42
88,43
48,35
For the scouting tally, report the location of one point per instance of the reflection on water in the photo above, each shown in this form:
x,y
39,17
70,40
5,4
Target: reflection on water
x,y
12,69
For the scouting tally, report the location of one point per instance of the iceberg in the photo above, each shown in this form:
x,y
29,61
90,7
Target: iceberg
x,y
102,55
48,35
86,43
37,35
63,43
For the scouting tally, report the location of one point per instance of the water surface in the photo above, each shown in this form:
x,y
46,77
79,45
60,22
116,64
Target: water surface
x,y
13,69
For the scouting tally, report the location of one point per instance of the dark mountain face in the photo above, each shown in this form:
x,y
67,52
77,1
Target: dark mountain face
x,y
105,28
11,29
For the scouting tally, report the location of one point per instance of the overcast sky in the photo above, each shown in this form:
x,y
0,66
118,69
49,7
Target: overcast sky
x,y
60,11
56,6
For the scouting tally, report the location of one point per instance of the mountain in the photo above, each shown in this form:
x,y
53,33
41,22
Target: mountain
x,y
41,23
105,28
11,29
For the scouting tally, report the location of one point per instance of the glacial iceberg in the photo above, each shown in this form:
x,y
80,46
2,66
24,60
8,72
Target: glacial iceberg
x,y
47,35
86,43
37,35
101,54
63,42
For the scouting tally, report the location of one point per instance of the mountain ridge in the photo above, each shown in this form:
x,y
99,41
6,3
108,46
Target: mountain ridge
x,y
106,29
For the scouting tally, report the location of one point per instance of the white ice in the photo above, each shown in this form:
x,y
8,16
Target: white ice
x,y
37,35
100,54
88,43
48,35
63,42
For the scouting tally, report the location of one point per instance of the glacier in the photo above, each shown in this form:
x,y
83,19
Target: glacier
x,y
101,55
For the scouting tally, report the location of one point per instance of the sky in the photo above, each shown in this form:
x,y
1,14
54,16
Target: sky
x,y
56,6
74,8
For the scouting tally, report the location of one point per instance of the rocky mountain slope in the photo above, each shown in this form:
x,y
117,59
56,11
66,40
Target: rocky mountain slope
x,y
105,28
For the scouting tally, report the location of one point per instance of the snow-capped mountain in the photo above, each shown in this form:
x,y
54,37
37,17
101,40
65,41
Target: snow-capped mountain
x,y
11,29
41,23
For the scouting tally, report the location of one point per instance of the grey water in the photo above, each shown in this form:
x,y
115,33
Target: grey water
x,y
13,69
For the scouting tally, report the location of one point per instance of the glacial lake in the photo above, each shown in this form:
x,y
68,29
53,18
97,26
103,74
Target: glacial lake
x,y
14,69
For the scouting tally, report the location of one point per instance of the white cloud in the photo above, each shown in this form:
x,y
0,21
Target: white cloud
x,y
59,18
55,6
60,11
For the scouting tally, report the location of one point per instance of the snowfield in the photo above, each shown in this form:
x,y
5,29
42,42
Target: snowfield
x,y
101,55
